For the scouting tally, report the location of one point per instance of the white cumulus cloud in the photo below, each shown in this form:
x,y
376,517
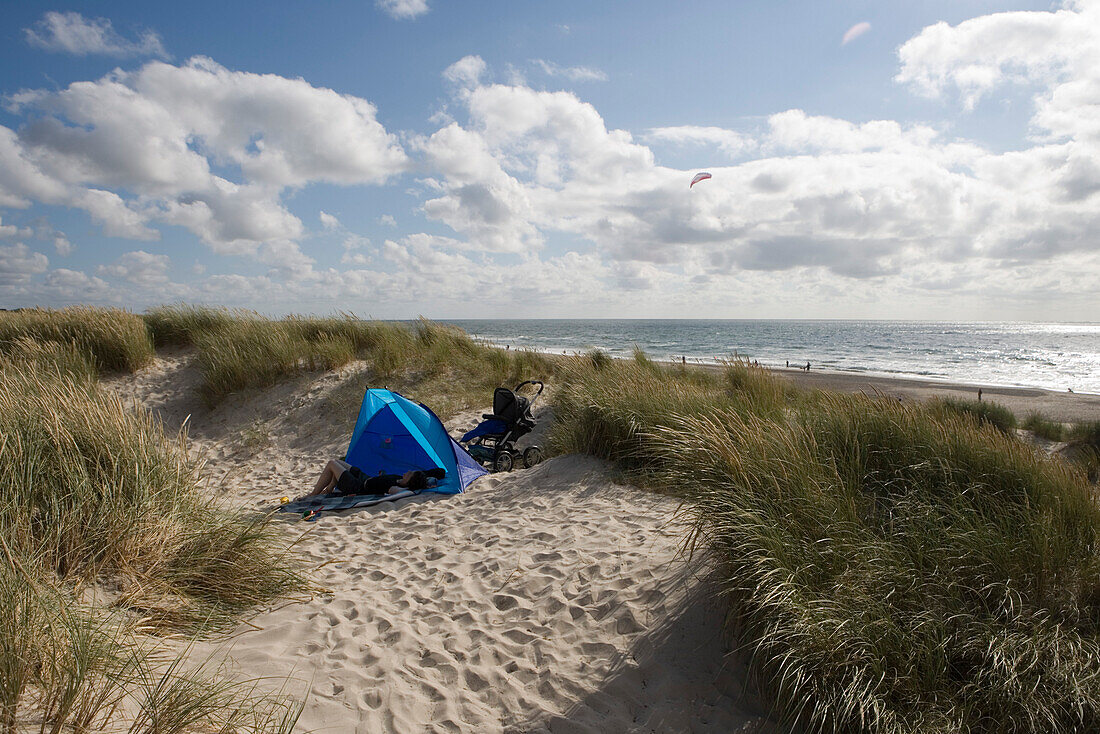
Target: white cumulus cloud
x,y
860,200
728,141
138,267
1059,51
137,148
328,221
18,263
466,72
538,207
403,9
10,231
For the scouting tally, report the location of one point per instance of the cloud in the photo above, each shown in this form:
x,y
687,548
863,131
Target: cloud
x,y
10,231
139,267
1058,51
465,72
538,207
18,263
573,73
138,148
795,131
72,33
403,9
729,142
855,32
73,286
41,230
870,200
353,250
117,217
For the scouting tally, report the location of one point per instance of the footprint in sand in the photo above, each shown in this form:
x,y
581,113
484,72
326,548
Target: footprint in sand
x,y
504,602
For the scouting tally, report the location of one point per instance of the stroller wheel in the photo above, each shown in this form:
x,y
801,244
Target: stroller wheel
x,y
503,462
531,456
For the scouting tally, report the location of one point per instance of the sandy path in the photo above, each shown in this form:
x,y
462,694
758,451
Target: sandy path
x,y
551,599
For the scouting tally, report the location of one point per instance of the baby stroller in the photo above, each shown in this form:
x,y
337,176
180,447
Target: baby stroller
x,y
493,441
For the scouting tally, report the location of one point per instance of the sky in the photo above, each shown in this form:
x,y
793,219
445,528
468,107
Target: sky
x,y
520,158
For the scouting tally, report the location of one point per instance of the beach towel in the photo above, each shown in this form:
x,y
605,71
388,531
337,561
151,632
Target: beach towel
x,y
326,502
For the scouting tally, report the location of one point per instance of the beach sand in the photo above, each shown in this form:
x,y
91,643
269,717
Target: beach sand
x,y
1063,407
556,598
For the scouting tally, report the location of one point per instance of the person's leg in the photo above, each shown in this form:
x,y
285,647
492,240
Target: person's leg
x,y
329,477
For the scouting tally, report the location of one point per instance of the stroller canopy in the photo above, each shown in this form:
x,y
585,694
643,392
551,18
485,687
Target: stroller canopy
x,y
393,435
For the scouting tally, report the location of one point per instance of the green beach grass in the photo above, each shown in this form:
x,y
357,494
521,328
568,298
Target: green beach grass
x,y
93,495
114,340
432,362
889,567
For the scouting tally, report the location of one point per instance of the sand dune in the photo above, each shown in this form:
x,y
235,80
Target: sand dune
x,y
549,599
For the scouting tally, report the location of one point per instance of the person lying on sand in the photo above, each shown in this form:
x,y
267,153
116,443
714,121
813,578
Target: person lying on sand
x,y
341,478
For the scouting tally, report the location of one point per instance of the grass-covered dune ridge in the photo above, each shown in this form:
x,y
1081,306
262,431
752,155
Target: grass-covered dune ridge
x,y
93,494
891,568
113,339
239,350
91,488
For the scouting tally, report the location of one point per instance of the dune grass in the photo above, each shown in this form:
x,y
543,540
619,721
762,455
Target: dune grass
x,y
984,412
889,567
1084,447
1041,426
239,350
60,358
178,324
1086,433
66,666
91,488
94,495
111,339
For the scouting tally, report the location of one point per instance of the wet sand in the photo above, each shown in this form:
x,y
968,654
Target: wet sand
x,y
1064,407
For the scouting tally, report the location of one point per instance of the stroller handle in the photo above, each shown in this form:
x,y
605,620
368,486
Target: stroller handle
x,y
531,382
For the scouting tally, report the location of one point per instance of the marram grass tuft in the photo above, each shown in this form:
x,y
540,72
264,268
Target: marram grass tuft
x,y
890,568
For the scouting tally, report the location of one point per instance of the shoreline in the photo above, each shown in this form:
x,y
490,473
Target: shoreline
x,y
1023,378
1061,407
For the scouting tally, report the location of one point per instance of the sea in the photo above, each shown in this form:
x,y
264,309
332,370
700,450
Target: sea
x,y
1055,356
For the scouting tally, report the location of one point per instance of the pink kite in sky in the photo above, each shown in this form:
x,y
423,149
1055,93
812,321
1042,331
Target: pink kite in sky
x,y
702,176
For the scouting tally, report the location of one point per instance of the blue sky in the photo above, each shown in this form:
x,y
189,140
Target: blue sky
x,y
532,159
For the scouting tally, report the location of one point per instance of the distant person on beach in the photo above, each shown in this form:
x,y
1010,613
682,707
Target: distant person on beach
x,y
807,366
979,395
788,363
340,478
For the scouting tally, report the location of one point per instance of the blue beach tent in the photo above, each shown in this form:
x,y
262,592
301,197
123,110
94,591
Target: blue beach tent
x,y
394,434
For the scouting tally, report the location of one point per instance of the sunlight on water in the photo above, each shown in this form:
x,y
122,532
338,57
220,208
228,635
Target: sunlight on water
x,y
1056,356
